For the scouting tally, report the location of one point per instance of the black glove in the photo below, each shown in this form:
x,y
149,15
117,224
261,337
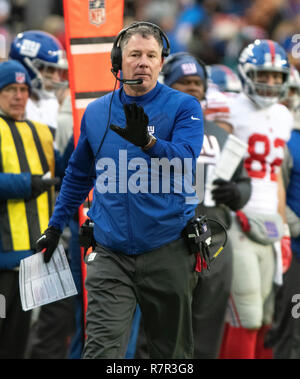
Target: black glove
x,y
40,185
136,129
226,193
49,241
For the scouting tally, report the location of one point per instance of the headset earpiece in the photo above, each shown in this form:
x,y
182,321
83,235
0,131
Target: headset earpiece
x,y
116,52
116,59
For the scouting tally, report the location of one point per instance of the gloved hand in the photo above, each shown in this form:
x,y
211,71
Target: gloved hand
x,y
286,250
136,129
227,192
49,241
40,185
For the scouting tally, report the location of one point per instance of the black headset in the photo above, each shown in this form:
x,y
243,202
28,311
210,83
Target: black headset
x,y
116,53
167,67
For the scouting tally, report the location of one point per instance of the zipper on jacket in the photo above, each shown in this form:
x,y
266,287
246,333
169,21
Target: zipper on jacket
x,y
129,227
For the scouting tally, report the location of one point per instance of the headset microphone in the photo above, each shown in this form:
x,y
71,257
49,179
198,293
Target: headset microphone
x,y
130,82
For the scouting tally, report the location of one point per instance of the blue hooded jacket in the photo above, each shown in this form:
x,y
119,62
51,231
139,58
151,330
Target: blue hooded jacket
x,y
130,215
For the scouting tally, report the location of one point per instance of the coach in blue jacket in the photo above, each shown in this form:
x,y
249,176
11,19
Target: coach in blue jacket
x,y
138,147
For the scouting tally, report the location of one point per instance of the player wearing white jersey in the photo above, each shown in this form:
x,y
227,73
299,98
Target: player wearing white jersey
x,y
266,131
43,109
257,119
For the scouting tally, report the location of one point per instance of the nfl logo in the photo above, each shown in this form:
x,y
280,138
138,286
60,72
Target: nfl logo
x,y
97,12
20,77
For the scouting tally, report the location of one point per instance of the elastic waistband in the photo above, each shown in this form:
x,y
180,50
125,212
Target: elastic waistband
x,y
167,246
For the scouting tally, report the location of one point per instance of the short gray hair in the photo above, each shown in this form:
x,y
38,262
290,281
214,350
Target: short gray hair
x,y
145,31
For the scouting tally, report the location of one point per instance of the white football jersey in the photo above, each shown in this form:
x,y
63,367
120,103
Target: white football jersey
x,y
44,111
265,131
215,106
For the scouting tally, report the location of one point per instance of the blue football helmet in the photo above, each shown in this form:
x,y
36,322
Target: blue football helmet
x,y
225,78
39,51
263,55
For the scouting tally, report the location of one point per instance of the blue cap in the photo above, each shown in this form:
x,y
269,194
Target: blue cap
x,y
12,71
185,65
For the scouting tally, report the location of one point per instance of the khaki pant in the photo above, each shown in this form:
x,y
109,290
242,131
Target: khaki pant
x,y
252,302
161,281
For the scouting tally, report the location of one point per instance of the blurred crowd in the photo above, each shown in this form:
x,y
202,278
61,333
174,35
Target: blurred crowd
x,y
19,15
214,30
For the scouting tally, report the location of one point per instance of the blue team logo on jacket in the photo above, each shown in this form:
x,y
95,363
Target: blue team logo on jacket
x,y
151,129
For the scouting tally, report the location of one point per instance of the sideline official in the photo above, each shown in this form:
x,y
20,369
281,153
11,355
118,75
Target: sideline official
x,y
26,199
